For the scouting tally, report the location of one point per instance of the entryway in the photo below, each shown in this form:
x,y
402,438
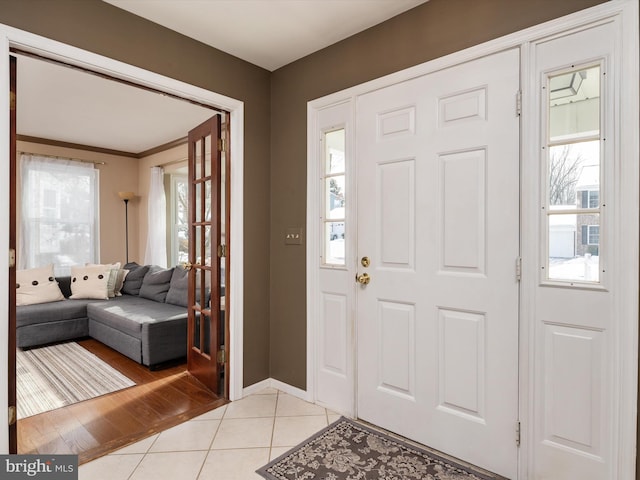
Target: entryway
x,y
442,303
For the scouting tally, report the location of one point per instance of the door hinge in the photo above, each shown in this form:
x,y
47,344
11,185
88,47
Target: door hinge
x,y
222,251
221,356
518,269
12,100
519,103
12,415
518,433
12,257
222,145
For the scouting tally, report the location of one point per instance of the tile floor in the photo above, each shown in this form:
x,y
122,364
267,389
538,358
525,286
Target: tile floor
x,y
228,443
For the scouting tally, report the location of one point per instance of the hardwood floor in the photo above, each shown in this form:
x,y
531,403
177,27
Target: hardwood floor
x,y
160,400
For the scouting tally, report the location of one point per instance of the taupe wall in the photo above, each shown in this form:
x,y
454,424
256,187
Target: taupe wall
x,y
431,30
99,27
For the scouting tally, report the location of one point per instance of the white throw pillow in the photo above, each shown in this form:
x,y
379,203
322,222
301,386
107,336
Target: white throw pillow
x,y
37,285
113,276
90,282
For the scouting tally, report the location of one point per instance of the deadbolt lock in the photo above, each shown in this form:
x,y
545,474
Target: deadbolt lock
x,y
365,262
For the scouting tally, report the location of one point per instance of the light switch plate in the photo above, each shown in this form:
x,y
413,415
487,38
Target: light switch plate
x,y
293,236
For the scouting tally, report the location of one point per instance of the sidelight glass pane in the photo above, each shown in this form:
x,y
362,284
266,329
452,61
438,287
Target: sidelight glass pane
x,y
574,175
334,197
334,243
574,104
335,151
574,247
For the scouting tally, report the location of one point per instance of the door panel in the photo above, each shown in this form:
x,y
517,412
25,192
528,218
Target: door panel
x,y
204,339
438,214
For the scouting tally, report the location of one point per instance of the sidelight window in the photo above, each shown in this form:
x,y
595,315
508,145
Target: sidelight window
x,y
572,209
334,191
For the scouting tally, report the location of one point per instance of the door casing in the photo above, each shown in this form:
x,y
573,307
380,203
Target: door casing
x,y
623,464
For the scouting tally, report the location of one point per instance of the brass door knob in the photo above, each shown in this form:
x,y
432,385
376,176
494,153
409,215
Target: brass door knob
x,y
363,279
187,266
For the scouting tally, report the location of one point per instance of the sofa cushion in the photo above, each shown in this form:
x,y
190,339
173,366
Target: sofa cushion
x,y
37,285
129,312
133,280
90,282
179,288
51,312
155,284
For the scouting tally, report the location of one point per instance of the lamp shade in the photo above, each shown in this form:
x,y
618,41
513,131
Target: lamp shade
x,y
126,195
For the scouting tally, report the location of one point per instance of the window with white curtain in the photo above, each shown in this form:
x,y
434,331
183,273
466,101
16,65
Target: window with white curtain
x,y
179,219
59,219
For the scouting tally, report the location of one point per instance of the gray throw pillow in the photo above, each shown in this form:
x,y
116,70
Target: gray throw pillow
x,y
177,294
155,284
133,280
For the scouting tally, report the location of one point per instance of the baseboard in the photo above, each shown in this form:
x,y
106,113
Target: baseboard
x,y
277,384
256,387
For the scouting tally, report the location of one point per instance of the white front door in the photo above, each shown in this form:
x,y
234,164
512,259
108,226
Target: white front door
x,y
438,218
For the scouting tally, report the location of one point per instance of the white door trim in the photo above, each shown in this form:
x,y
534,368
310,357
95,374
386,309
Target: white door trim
x,y
13,37
627,240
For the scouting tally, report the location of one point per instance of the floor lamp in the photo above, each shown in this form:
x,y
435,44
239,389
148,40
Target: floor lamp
x,y
126,196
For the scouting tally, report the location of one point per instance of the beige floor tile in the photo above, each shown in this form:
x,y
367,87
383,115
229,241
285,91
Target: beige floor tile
x,y
243,433
277,451
290,431
234,464
289,406
111,467
252,406
170,466
216,414
333,417
266,391
186,436
141,446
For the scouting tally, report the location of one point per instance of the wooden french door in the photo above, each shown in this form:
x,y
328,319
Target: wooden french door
x,y
13,433
208,257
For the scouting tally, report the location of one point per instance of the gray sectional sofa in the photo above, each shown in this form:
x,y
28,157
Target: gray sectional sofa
x,y
148,323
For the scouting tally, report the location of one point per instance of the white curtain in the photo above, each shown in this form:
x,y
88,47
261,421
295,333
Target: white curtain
x,y
156,252
59,217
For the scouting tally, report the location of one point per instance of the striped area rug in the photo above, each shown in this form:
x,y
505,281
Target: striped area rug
x,y
59,375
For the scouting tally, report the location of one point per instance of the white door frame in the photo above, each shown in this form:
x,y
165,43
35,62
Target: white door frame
x,y
627,237
45,47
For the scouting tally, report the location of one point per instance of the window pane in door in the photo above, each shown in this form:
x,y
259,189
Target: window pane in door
x,y
572,208
334,243
574,175
574,104
334,194
574,247
335,151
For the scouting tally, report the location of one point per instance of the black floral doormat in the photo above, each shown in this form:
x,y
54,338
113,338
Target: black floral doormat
x,y
349,450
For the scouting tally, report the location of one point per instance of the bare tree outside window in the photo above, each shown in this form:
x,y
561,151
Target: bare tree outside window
x,y
564,171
